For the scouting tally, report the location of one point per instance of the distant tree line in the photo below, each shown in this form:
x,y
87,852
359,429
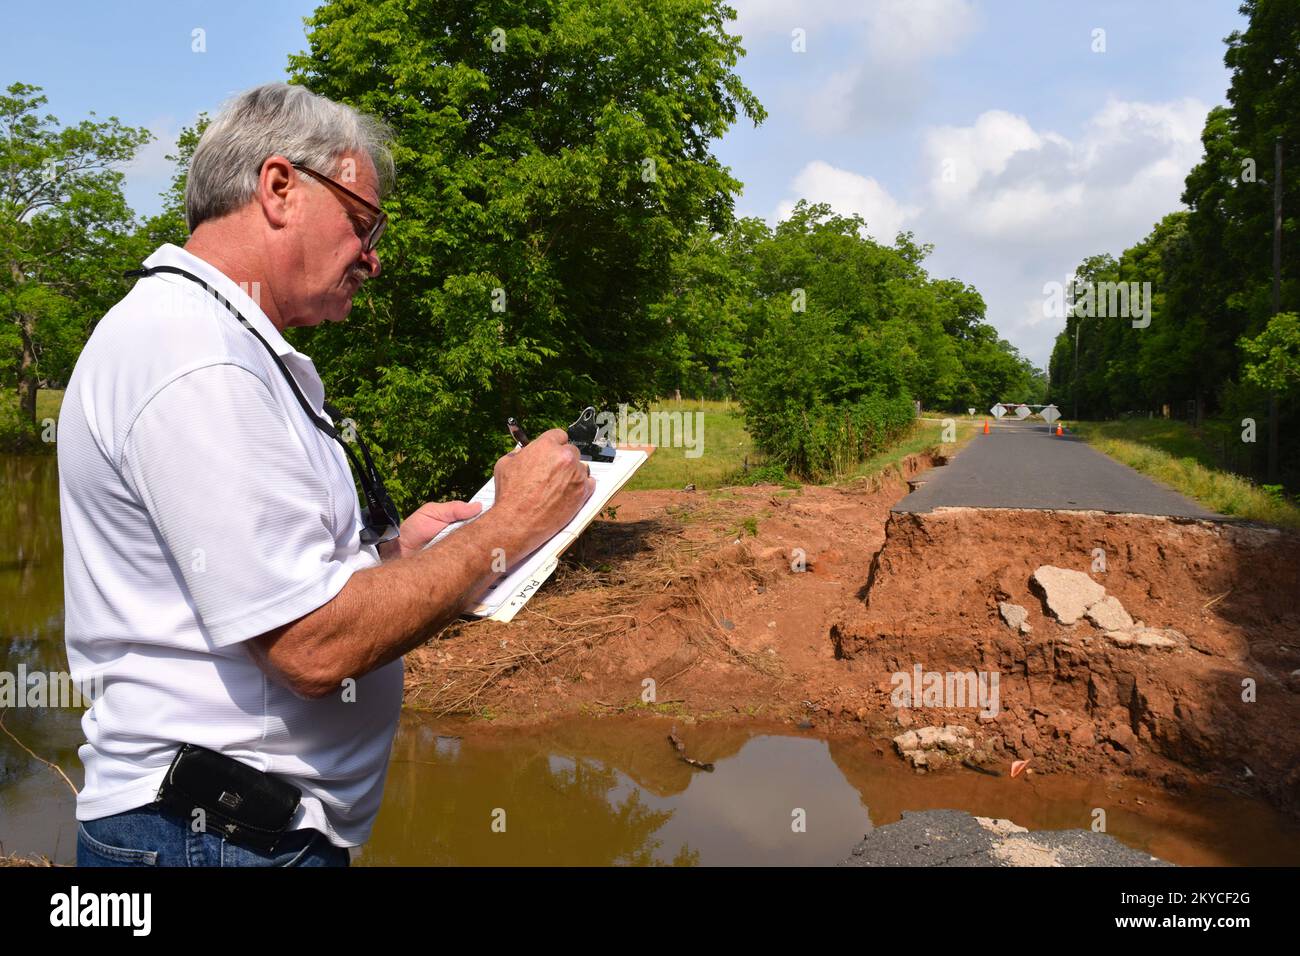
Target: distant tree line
x,y
825,334
1212,349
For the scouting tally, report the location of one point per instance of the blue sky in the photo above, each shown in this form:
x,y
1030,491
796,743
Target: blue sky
x,y
990,128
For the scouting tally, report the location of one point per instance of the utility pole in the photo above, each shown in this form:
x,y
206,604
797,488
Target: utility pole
x,y
1078,324
1277,300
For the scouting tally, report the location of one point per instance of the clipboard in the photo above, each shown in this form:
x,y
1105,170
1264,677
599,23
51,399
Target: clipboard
x,y
505,598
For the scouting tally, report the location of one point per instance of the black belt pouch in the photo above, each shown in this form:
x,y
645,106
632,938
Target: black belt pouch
x,y
249,808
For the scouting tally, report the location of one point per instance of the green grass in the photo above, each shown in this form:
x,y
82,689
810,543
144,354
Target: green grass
x,y
673,708
725,447
16,435
1175,438
925,435
48,402
1173,453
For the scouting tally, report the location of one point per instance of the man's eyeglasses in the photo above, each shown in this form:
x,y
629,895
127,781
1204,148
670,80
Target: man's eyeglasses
x,y
368,230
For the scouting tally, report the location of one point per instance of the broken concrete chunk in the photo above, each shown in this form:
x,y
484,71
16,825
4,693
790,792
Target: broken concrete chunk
x,y
1015,616
928,747
952,738
1109,615
1000,827
1067,594
1150,638
1161,637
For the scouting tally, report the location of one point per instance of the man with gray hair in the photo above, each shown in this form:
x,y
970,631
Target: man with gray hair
x,y
244,617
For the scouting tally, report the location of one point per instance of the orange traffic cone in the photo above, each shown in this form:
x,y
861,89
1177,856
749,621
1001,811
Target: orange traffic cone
x,y
986,426
1059,430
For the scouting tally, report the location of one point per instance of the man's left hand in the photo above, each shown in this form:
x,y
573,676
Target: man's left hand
x,y
425,524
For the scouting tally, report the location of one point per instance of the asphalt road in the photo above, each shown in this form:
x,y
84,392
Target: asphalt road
x,y
1025,465
954,838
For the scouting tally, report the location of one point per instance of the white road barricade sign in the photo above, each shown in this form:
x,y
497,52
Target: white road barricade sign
x,y
1050,414
998,411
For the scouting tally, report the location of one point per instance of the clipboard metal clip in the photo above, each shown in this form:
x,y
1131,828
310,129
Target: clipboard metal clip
x,y
584,433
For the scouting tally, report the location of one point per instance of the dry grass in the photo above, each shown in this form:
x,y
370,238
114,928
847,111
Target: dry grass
x,y
676,576
644,570
13,859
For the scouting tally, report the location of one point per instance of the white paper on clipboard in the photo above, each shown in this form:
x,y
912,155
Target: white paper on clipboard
x,y
504,599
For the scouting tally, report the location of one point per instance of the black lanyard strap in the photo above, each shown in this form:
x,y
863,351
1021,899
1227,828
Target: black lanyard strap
x,y
320,423
382,513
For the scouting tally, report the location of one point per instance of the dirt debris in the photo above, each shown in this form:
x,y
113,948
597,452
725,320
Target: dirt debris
x,y
802,605
13,859
723,600
1200,694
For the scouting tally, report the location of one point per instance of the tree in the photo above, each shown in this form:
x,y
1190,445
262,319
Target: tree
x,y
63,228
1273,356
711,303
1210,267
847,331
551,157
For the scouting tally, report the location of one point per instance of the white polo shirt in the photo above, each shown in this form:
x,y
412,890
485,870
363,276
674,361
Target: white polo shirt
x,y
201,507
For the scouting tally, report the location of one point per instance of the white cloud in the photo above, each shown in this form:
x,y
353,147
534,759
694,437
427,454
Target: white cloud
x,y
848,193
1000,178
151,160
150,173
889,81
960,156
912,30
1011,207
1023,205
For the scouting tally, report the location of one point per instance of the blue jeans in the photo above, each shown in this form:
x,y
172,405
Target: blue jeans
x,y
146,836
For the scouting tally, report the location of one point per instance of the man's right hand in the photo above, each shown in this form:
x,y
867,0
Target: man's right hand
x,y
542,486
385,611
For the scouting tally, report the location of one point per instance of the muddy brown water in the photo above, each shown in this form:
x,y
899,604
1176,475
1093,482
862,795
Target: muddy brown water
x,y
594,792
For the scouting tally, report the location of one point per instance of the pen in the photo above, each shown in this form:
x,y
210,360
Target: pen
x,y
516,432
